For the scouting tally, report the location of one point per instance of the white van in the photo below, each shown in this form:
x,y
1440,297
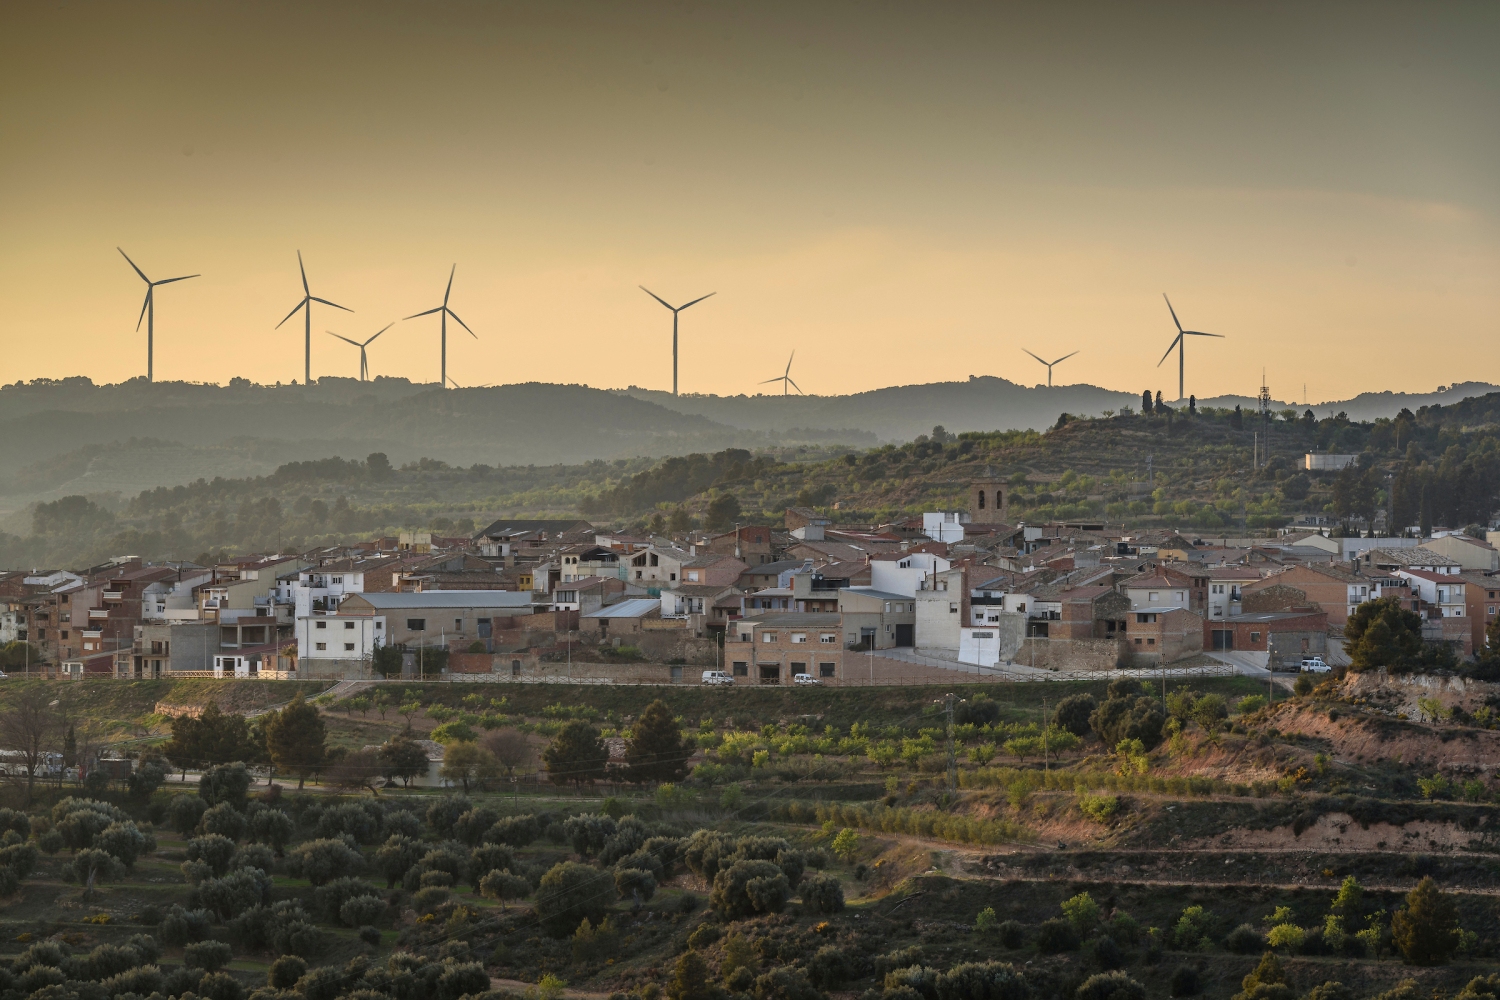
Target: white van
x,y
716,677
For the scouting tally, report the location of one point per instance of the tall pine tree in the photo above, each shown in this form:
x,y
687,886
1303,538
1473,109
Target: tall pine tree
x,y
295,740
656,750
576,754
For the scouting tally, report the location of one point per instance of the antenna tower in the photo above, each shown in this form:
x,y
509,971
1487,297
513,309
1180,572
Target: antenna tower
x,y
1265,416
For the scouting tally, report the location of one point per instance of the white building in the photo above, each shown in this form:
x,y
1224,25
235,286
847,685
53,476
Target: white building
x,y
905,572
339,637
945,525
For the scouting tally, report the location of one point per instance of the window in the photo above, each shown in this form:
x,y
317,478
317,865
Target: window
x,y
741,668
458,623
1490,610
349,647
321,645
768,637
1138,642
1255,637
348,625
1150,642
671,576
799,636
338,579
830,638
887,607
953,609
826,669
798,668
1152,596
416,624
64,633
320,624
379,625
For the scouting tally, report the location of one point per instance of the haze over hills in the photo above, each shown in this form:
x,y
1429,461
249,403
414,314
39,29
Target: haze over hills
x,y
70,436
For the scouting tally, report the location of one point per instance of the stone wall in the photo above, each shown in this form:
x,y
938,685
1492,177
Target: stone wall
x,y
1078,655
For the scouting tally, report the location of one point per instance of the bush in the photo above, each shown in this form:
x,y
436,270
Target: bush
x,y
1011,934
1426,930
360,820
704,935
285,972
123,841
749,887
444,813
785,983
253,856
370,936
321,861
704,851
474,824
1099,808
1111,986
361,910
226,783
918,978
180,926
430,899
1073,713
517,831
1184,981
1250,703
1106,953
571,892
822,894
1128,718
224,820
1056,935
94,864
234,893
588,834
635,883
829,967
1243,940
210,956
214,850
982,981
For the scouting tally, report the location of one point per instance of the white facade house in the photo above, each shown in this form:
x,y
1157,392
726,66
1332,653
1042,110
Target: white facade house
x,y
944,525
939,617
174,600
339,637
319,588
905,574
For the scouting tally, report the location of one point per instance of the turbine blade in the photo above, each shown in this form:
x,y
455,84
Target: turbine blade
x,y
789,363
327,303
1064,358
1170,349
462,323
168,281
146,302
303,268
797,387
778,378
345,339
428,312
292,313
1172,311
132,264
1200,333
655,296
372,339
449,290
697,300
1033,355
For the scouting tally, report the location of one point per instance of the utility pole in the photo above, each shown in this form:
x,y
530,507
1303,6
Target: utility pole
x,y
952,760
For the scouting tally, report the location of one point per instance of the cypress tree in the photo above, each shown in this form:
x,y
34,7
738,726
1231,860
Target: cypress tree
x,y
656,750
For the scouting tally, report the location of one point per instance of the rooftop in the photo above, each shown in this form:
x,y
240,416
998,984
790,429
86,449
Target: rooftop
x,y
635,607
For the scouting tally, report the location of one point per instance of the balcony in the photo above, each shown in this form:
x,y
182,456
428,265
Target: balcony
x,y
95,614
114,595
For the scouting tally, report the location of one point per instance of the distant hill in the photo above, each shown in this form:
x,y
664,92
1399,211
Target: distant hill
x,y
71,436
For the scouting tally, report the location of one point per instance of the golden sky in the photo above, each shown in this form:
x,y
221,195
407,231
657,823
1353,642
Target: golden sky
x,y
900,192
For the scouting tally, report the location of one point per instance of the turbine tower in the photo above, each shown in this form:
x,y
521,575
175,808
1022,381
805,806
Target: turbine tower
x,y
445,312
1049,364
148,313
364,364
675,311
1180,342
308,298
786,379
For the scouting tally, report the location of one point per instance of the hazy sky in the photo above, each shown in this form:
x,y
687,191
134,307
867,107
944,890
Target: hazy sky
x,y
902,192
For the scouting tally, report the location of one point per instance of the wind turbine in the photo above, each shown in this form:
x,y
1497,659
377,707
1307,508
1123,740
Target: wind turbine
x,y
786,379
148,312
445,312
364,364
675,311
308,298
1049,364
1180,342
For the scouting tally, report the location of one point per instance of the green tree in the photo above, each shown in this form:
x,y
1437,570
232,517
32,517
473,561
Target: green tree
x,y
386,661
469,763
576,754
656,749
1383,634
722,512
403,758
680,522
70,748
502,885
295,738
1426,930
690,979
846,845
570,893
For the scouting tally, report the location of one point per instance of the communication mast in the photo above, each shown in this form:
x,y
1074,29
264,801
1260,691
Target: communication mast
x,y
1265,417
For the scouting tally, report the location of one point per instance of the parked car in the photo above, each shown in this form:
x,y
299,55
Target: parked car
x,y
805,679
716,677
4,675
1314,665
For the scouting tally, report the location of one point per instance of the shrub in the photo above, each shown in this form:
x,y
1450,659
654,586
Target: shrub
x,y
785,983
430,899
829,967
704,935
272,827
220,986
1184,982
1106,953
1099,808
474,824
94,864
1073,713
704,851
749,887
214,850
823,894
397,856
226,783
225,821
321,861
1191,930
123,841
918,978
502,885
517,831
982,981
361,910
571,892
210,956
370,935
361,821
635,883
1082,912
234,893
253,856
1056,935
1243,940
1011,934
181,926
285,972
1250,703
1426,930
1111,986
444,813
